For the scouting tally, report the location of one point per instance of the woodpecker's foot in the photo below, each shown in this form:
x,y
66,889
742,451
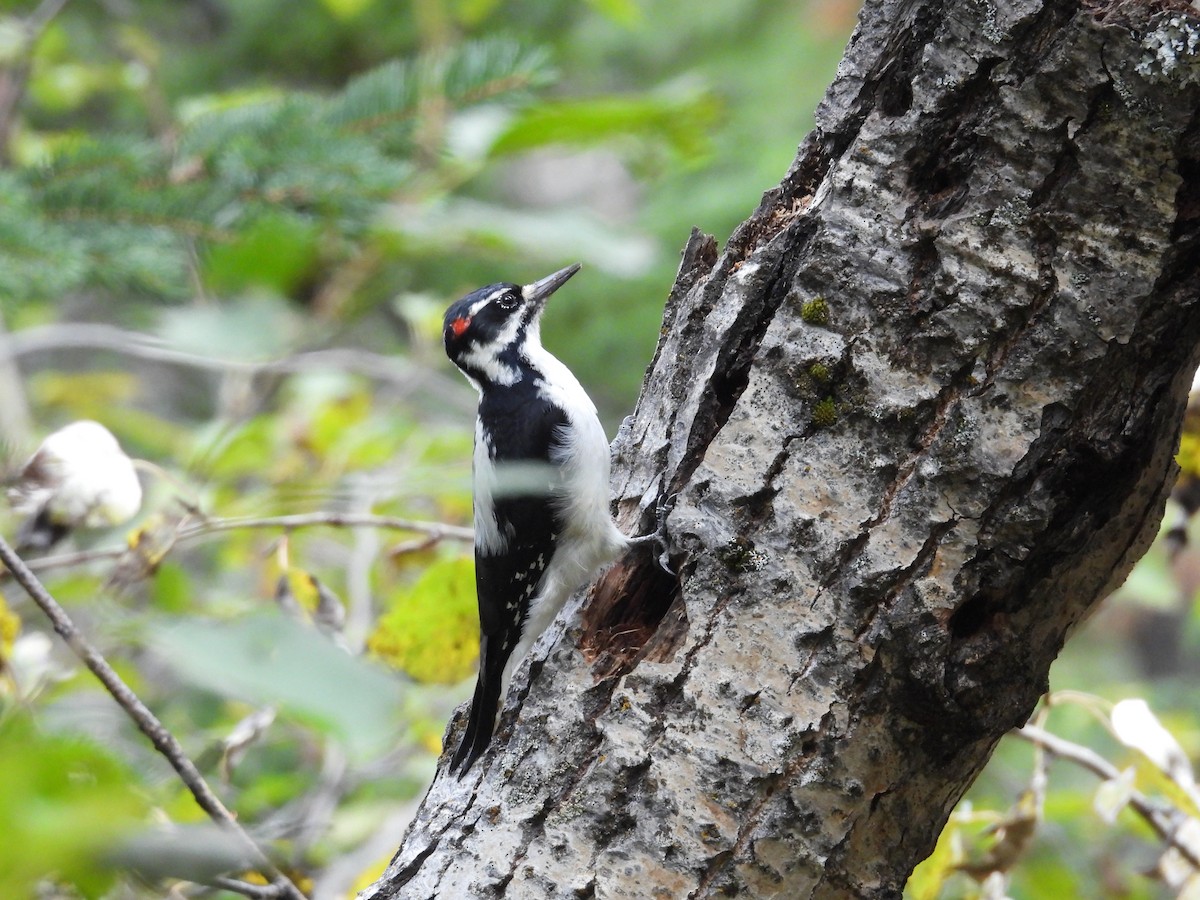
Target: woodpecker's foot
x,y
658,537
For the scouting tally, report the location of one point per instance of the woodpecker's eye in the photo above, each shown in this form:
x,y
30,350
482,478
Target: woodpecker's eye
x,y
508,301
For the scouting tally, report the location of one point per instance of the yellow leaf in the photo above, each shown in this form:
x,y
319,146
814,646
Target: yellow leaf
x,y
432,630
346,10
371,874
10,627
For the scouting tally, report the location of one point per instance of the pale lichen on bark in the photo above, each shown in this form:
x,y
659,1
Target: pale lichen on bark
x,y
886,523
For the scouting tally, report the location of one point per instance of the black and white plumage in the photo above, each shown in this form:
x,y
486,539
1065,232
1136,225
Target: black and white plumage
x,y
78,478
541,492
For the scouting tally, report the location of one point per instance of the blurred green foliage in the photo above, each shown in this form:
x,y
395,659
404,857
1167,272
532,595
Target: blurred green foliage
x,y
228,232
241,192
63,799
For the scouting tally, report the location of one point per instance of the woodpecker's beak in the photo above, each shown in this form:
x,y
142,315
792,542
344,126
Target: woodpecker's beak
x,y
535,294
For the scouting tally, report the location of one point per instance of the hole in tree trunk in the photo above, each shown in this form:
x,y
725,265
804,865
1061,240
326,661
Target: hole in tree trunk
x,y
635,612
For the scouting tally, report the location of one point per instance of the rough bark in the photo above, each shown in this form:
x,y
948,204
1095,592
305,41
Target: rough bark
x,y
893,505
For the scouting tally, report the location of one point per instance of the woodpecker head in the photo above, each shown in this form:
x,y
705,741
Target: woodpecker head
x,y
493,334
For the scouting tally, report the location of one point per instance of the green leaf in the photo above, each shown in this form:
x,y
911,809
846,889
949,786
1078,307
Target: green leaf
x,y
682,124
64,802
10,627
171,588
269,659
623,12
346,9
278,251
931,874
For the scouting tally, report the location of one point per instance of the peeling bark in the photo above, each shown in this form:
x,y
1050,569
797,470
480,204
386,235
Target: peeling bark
x,y
918,418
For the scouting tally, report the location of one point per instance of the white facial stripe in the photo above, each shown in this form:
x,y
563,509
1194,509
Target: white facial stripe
x,y
506,335
484,357
492,370
480,304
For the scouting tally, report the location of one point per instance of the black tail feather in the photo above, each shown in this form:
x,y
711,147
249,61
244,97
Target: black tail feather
x,y
485,705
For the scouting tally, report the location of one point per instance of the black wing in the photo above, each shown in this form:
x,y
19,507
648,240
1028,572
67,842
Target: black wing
x,y
506,582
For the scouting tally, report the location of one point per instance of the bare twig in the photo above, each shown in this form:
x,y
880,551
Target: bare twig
x,y
98,336
78,558
436,530
255,891
42,16
1165,822
162,739
417,545
433,531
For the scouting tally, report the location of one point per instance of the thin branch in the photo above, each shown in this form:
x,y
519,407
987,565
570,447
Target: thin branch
x,y
162,739
78,558
434,532
98,336
1165,823
255,891
42,16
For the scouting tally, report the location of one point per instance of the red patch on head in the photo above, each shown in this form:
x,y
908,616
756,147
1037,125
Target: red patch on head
x,y
459,325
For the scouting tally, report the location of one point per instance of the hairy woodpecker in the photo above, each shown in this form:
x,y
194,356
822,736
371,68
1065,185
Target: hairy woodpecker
x,y
78,477
542,523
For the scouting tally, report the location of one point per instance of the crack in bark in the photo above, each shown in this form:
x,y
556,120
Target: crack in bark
x,y
533,827
1045,243
749,821
837,848
809,664
409,871
760,504
738,351
1185,232
948,397
710,625
904,578
890,86
406,874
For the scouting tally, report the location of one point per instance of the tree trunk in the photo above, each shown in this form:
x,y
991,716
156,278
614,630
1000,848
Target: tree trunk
x,y
918,418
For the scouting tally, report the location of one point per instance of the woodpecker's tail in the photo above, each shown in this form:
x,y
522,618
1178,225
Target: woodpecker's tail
x,y
484,707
